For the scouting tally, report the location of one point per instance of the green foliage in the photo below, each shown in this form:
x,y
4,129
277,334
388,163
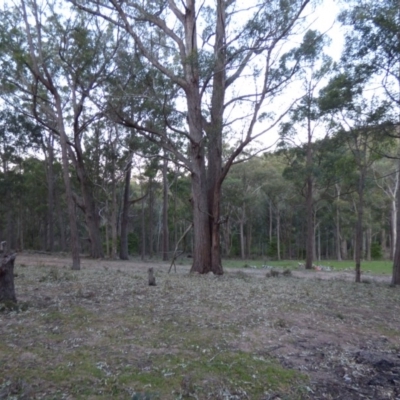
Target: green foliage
x,y
376,251
133,243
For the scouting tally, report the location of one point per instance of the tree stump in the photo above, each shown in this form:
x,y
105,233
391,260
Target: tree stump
x,y
7,289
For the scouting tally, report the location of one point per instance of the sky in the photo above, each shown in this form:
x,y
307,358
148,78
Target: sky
x,y
322,19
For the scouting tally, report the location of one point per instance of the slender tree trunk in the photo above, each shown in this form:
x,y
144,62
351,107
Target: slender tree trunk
x,y
114,210
359,227
338,236
369,242
74,237
343,249
61,225
278,233
50,192
123,254
270,221
150,218
165,230
310,224
143,247
107,229
242,235
396,261
309,199
393,227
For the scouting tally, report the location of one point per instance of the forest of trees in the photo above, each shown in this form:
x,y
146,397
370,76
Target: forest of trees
x,y
124,125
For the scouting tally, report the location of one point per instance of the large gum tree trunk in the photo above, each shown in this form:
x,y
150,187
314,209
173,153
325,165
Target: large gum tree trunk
x,y
201,231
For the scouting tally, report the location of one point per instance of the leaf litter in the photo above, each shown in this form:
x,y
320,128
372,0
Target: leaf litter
x,y
103,333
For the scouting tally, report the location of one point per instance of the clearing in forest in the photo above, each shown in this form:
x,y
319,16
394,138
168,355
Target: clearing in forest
x,y
103,333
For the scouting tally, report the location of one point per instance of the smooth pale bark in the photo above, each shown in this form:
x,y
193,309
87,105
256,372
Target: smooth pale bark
x,y
143,244
151,217
396,261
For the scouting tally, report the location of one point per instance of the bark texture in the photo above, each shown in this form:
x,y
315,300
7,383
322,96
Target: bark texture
x,y
396,260
7,288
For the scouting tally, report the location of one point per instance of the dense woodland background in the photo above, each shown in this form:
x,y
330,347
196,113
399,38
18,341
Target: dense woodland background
x,y
70,82
263,202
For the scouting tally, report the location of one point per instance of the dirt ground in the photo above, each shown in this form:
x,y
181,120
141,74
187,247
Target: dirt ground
x,y
344,337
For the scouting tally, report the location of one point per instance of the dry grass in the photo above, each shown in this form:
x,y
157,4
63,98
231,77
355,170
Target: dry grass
x,y
103,333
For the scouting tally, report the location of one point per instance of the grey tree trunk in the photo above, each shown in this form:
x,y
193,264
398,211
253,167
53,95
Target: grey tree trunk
x,y
165,230
49,152
278,233
396,261
74,236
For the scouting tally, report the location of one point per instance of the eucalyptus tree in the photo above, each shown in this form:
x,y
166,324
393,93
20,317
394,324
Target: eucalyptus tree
x,y
373,46
361,126
387,176
307,118
54,62
208,51
18,134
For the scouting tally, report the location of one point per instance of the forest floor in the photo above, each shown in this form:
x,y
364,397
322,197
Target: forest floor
x,y
103,333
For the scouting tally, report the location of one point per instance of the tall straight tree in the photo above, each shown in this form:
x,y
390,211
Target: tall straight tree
x,y
209,68
306,117
373,45
361,126
53,64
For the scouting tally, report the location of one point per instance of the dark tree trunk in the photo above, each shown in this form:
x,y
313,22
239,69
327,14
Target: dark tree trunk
x,y
310,237
7,289
359,228
61,224
310,224
89,206
278,234
50,192
123,253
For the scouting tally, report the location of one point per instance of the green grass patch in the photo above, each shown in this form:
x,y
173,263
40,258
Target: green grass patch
x,y
202,374
375,267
